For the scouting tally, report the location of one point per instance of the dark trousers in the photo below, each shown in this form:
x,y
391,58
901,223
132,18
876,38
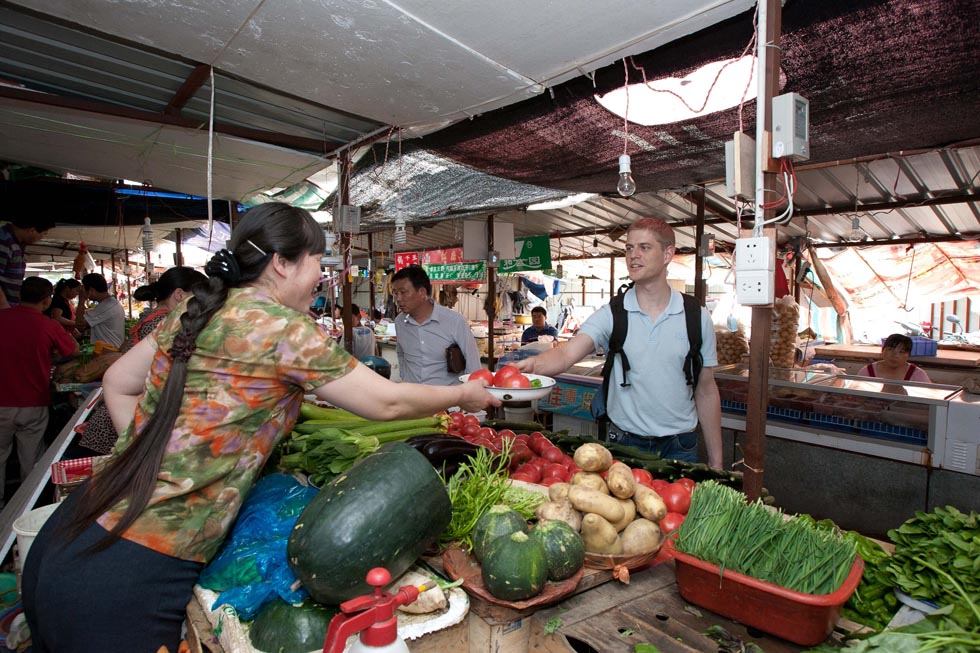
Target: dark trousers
x,y
683,446
126,598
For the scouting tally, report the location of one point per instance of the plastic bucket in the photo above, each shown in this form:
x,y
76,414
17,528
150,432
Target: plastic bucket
x,y
27,527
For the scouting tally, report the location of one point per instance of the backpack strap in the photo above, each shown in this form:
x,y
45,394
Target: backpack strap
x,y
694,361
615,348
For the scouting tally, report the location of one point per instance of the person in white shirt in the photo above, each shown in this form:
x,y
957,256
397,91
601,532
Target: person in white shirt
x,y
107,320
425,330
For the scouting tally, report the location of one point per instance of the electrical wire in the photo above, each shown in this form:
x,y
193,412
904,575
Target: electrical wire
x,y
626,113
210,162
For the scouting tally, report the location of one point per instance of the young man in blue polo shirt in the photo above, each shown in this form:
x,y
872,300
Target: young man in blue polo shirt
x,y
656,411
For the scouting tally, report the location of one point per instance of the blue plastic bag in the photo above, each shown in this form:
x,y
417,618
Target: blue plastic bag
x,y
251,569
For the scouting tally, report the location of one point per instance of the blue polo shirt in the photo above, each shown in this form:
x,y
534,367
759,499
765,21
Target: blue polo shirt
x,y
658,402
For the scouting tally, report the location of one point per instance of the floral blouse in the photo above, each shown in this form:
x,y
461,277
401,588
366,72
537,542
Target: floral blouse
x,y
245,382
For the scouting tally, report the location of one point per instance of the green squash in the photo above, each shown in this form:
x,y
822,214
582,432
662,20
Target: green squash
x,y
562,546
515,567
385,511
496,522
283,628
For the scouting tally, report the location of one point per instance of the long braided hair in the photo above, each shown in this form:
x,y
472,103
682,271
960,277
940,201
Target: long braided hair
x,y
267,229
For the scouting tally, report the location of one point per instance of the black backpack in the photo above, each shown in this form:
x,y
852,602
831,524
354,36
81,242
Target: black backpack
x,y
693,362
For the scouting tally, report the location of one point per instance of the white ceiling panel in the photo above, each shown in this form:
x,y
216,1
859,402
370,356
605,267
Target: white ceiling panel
x,y
173,158
414,63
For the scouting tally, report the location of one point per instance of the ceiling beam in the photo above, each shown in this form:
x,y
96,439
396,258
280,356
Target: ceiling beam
x,y
273,138
959,198
908,240
191,85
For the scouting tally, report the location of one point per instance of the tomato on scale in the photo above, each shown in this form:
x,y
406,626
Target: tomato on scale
x,y
505,373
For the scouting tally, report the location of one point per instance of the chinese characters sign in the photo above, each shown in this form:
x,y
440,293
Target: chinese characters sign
x,y
533,253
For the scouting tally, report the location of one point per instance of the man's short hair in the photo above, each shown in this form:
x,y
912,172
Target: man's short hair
x,y
661,230
35,290
897,341
540,309
416,275
95,281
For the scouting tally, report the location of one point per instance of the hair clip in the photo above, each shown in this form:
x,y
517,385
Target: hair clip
x,y
260,250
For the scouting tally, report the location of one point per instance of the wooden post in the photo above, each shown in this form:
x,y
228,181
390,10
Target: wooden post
x,y
232,214
796,281
700,286
179,235
754,447
346,294
371,275
491,303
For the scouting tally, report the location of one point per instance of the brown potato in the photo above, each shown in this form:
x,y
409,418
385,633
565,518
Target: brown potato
x,y
587,500
620,481
599,536
590,480
649,504
642,536
558,491
559,511
629,514
593,457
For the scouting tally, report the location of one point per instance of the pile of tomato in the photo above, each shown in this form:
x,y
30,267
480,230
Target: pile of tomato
x,y
536,459
508,376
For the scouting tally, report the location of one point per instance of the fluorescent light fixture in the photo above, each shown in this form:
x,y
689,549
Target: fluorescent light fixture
x,y
657,102
570,200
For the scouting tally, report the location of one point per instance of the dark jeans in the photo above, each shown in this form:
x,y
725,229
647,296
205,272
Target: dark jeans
x,y
683,446
126,598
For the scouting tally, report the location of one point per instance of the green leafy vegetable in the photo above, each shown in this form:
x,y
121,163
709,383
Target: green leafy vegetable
x,y
643,647
478,484
552,626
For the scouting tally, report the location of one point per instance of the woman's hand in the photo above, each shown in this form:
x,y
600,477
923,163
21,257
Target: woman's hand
x,y
475,398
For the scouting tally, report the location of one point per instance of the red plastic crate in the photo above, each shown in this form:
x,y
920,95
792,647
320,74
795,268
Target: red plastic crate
x,y
805,619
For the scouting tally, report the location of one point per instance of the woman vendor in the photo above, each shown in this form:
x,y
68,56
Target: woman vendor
x,y
199,404
60,310
894,363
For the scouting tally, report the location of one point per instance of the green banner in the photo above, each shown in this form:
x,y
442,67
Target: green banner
x,y
456,271
533,253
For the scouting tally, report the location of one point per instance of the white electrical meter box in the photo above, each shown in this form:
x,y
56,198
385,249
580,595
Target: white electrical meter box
x,y
791,127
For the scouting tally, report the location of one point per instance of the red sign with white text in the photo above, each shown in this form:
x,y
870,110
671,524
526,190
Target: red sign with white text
x,y
404,259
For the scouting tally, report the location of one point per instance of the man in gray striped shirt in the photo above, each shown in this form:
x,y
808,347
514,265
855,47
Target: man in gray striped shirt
x,y
424,330
14,239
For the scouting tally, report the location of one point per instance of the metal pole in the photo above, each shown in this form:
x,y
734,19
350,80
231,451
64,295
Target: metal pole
x,y
700,287
129,294
491,294
754,448
371,275
346,294
612,275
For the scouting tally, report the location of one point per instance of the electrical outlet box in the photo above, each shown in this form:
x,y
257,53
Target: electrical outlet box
x,y
791,127
740,167
754,287
755,254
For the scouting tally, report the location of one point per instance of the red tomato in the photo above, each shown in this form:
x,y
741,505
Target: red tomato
x,y
642,476
554,469
515,381
507,433
538,462
520,453
658,485
536,434
483,442
671,522
524,437
487,432
686,482
454,431
553,454
456,418
677,498
470,430
503,373
520,476
531,471
471,419
548,481
539,444
482,374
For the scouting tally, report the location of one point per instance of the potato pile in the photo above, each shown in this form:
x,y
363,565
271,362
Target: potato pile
x,y
615,515
782,340
731,346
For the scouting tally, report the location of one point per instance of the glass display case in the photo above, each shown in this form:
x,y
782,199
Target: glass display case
x,y
895,419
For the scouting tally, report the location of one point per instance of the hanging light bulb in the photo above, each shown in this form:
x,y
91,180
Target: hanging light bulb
x,y
401,237
625,186
857,234
594,250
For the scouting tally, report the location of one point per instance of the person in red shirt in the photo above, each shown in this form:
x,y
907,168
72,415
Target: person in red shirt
x,y
29,338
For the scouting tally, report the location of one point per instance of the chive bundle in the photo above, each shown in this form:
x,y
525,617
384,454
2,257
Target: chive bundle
x,y
755,540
